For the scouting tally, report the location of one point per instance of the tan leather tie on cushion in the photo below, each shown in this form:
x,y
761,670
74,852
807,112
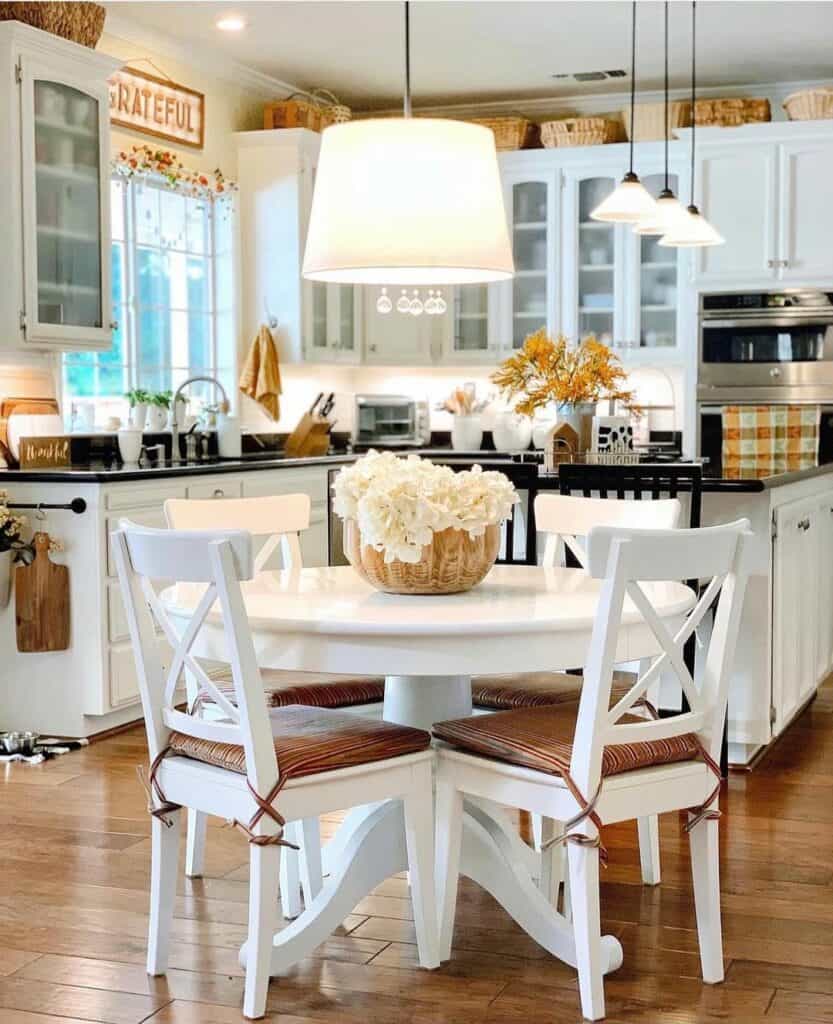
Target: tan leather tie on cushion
x,y
260,377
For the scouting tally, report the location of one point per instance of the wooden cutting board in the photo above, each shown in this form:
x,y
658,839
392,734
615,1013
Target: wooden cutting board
x,y
42,602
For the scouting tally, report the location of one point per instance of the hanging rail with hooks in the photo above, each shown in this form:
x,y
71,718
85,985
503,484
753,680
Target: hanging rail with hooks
x,y
77,505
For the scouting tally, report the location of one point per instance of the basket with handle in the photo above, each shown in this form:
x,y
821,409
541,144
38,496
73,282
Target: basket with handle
x,y
333,111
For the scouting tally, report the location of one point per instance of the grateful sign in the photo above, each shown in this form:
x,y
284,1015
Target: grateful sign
x,y
156,106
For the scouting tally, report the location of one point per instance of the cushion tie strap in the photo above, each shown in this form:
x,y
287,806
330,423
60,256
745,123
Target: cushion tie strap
x,y
265,809
158,804
705,812
588,810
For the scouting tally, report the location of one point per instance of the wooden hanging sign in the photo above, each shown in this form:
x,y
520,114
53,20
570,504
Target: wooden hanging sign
x,y
157,106
44,452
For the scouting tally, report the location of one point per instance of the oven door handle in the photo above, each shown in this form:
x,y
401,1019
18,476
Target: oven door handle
x,y
822,319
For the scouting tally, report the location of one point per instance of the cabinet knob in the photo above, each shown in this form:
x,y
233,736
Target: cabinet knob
x,y
219,492
775,372
114,325
770,264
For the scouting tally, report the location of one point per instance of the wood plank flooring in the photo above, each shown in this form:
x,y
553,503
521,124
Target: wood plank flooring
x,y
74,871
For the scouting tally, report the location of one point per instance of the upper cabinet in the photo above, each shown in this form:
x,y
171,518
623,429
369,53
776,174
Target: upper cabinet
x,y
764,187
316,322
54,116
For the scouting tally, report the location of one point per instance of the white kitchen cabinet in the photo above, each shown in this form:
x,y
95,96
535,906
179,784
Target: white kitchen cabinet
x,y
796,608
824,535
315,322
55,205
396,338
764,188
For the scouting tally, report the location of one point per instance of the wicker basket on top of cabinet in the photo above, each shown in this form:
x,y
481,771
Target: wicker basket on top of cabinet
x,y
294,112
580,131
810,105
730,112
81,22
511,132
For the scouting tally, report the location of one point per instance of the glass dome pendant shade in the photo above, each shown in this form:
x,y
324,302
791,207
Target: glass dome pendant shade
x,y
408,201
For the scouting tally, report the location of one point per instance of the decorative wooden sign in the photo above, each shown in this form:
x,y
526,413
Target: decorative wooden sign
x,y
44,452
156,106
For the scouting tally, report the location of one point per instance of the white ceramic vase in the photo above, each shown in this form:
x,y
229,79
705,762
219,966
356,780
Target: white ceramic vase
x,y
511,433
5,577
130,446
138,416
467,433
157,419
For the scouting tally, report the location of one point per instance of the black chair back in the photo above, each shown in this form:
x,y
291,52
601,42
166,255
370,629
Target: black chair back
x,y
644,481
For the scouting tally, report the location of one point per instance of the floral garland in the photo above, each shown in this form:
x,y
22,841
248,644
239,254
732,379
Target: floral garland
x,y
144,160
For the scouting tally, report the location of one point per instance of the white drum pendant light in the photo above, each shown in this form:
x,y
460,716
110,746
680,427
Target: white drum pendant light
x,y
692,230
630,201
408,201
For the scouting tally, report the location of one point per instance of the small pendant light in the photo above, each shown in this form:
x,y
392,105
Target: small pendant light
x,y
692,230
408,201
668,207
630,200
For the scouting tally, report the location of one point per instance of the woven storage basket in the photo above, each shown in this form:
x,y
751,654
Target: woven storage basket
x,y
333,111
451,563
810,105
511,132
650,119
81,22
729,112
580,131
292,113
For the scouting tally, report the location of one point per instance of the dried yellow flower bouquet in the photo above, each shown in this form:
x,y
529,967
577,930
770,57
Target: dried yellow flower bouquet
x,y
549,371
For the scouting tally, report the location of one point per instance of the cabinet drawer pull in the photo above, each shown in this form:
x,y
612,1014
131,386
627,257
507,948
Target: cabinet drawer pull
x,y
219,492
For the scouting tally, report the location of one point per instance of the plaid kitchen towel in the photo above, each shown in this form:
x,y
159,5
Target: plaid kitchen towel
x,y
761,440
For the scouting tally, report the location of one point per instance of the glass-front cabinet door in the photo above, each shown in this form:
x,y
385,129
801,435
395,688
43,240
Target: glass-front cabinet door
x,y
597,254
531,204
656,279
66,224
333,333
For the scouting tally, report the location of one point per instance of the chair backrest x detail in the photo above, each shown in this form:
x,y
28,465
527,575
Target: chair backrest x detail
x,y
634,566
566,520
206,567
272,520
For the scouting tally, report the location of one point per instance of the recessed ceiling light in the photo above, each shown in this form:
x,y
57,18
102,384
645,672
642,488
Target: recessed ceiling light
x,y
231,23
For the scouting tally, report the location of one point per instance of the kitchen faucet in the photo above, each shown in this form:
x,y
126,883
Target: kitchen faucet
x,y
175,458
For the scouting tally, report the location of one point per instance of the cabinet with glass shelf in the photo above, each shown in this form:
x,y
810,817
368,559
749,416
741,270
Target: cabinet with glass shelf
x,y
54,118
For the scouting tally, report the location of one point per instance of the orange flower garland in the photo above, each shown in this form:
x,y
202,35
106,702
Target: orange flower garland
x,y
147,160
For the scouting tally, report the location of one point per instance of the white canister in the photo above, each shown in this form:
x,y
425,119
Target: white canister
x,y
138,415
466,433
511,433
130,446
228,437
157,418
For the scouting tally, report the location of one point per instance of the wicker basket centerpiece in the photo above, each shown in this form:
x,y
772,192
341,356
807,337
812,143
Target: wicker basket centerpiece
x,y
411,527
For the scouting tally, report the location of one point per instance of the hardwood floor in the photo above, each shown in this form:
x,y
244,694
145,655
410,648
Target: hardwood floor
x,y
74,871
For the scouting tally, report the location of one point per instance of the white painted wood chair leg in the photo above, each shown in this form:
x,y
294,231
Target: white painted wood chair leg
x,y
648,829
163,874
419,838
551,860
290,876
584,888
195,843
705,870
264,868
536,822
309,832
566,897
449,841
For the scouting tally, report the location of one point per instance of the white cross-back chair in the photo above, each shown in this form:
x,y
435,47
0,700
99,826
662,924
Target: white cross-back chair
x,y
611,769
566,521
247,781
275,523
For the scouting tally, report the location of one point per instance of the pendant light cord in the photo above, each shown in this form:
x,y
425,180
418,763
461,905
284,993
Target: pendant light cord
x,y
693,87
667,122
407,59
633,80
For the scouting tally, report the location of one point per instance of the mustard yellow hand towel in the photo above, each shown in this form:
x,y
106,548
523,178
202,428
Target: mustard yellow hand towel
x,y
260,377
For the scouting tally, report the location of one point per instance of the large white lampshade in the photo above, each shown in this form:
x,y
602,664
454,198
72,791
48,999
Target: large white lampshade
x,y
667,210
628,203
691,231
408,201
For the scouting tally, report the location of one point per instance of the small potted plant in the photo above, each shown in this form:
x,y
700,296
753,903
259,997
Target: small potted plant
x,y
11,541
160,403
138,400
549,373
466,424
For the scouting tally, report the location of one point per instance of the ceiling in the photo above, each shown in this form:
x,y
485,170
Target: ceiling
x,y
485,50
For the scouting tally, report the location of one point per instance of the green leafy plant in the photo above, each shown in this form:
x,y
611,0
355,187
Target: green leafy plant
x,y
161,398
137,396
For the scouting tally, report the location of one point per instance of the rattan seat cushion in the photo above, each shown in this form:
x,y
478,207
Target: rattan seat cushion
x,y
537,689
542,738
312,740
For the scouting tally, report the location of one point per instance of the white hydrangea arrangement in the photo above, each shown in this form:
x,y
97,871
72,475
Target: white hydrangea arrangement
x,y
400,503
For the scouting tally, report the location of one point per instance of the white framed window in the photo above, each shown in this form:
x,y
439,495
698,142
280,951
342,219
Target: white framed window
x,y
173,295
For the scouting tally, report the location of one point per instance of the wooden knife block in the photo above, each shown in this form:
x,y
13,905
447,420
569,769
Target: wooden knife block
x,y
311,437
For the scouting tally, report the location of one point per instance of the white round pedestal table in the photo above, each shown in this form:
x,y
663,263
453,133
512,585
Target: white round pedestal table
x,y
520,619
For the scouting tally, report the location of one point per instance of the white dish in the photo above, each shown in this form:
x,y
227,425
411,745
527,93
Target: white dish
x,y
33,425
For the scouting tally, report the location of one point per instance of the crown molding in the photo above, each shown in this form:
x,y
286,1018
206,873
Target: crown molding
x,y
600,103
203,58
